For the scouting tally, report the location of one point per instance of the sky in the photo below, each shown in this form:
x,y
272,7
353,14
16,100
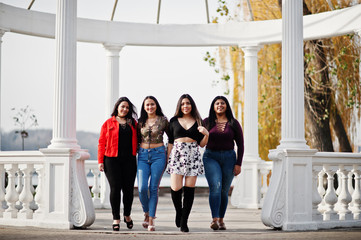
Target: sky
x,y
28,64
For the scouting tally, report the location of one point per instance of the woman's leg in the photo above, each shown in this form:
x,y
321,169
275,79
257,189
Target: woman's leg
x,y
213,174
129,171
229,160
157,166
143,172
111,169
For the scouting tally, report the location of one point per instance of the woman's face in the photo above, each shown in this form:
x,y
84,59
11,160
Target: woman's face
x,y
220,106
186,106
123,109
150,106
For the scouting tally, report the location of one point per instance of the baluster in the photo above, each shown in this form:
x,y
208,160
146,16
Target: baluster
x,y
356,195
264,188
33,205
11,195
96,188
2,191
38,191
26,196
316,198
330,197
321,190
344,198
19,188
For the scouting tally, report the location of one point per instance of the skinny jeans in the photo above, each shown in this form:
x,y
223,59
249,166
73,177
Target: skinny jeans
x,y
121,172
219,166
151,165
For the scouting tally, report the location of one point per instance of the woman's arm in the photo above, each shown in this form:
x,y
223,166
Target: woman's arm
x,y
205,132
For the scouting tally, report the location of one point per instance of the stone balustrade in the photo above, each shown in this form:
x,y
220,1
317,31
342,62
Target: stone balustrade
x,y
303,195
331,206
251,186
45,188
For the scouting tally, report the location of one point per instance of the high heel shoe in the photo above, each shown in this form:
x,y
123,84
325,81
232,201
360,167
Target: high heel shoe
x,y
129,224
145,223
151,228
116,227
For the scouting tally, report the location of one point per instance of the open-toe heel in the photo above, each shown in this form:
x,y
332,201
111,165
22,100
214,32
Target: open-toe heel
x,y
129,224
116,227
145,223
151,228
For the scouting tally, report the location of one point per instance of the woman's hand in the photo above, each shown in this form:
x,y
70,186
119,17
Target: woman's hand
x,y
101,167
236,170
203,130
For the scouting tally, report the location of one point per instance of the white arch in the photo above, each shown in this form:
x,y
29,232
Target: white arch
x,y
316,26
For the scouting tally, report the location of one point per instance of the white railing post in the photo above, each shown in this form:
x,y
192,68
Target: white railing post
x,y
11,195
330,197
96,189
356,195
19,188
2,189
39,196
26,196
316,198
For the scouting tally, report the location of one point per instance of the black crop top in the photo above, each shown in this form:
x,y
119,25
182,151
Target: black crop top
x,y
177,131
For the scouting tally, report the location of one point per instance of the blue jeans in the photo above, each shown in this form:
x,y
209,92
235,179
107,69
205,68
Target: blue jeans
x,y
151,164
218,166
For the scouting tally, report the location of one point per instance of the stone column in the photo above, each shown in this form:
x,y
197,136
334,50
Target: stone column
x,y
112,95
112,80
64,115
246,191
250,128
2,32
293,118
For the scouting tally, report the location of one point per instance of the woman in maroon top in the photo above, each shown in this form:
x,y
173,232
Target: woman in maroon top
x,y
220,161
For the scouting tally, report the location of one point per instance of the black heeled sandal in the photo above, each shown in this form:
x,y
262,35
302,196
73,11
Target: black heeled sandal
x,y
116,227
129,224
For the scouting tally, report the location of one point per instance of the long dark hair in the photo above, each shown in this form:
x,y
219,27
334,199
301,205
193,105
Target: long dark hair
x,y
195,114
143,114
132,114
212,114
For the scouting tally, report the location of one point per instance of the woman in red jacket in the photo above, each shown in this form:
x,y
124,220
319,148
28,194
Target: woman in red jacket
x,y
117,149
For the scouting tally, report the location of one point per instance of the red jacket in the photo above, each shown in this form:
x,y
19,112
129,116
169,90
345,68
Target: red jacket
x,y
108,140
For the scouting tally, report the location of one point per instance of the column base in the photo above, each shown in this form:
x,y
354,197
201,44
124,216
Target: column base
x,y
57,143
292,144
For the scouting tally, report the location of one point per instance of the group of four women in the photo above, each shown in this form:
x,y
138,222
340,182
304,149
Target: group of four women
x,y
122,137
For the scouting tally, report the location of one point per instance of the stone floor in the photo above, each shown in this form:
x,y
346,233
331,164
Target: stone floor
x,y
241,224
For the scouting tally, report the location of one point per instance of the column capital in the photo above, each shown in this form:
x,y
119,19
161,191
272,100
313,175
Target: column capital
x,y
251,50
358,31
113,49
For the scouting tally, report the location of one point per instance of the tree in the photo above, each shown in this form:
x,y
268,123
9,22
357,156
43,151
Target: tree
x,y
24,119
332,81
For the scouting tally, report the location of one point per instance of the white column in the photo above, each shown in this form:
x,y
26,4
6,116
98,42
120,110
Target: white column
x,y
64,115
293,132
250,127
112,95
2,32
112,80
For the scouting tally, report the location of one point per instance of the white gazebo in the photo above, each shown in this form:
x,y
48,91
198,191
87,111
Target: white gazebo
x,y
295,200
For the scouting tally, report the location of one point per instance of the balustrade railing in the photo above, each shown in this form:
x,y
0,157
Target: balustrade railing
x,y
20,185
312,190
333,206
45,188
251,186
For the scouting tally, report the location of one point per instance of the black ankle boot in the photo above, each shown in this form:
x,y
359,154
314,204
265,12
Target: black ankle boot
x,y
177,202
187,207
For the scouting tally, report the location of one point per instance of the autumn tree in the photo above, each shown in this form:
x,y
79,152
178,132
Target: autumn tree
x,y
332,80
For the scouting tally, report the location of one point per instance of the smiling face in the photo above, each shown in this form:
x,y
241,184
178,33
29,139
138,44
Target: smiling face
x,y
186,106
150,106
123,109
220,107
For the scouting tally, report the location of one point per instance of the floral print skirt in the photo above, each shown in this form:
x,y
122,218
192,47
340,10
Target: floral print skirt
x,y
185,159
